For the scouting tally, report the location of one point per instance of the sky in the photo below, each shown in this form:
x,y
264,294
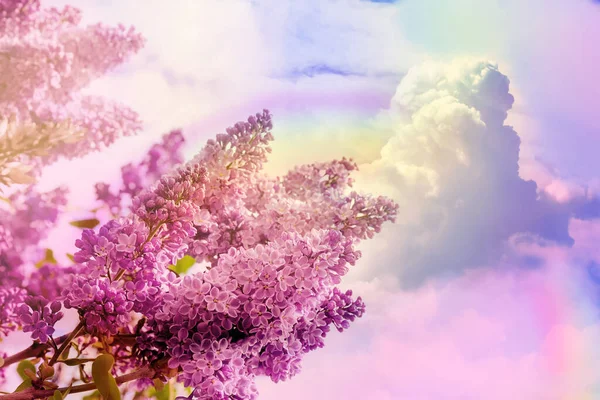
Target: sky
x,y
479,117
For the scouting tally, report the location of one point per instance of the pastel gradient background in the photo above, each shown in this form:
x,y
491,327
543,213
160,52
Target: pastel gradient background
x,y
487,286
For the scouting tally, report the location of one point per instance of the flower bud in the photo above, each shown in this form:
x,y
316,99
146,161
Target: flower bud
x,y
46,371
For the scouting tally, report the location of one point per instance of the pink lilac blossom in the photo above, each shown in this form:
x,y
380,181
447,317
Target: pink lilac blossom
x,y
49,280
223,306
258,306
10,299
271,207
160,159
46,58
38,316
274,251
25,220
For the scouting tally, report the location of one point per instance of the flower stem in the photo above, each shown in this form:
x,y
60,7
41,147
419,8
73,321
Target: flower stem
x,y
64,345
35,350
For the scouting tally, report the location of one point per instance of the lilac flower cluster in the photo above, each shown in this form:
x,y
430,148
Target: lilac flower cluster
x,y
249,303
47,58
38,316
275,249
266,208
102,305
23,224
119,268
10,298
160,159
251,209
49,280
31,215
280,362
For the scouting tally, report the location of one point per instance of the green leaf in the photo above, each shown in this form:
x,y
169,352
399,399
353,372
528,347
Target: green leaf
x,y
57,395
95,395
48,259
24,385
183,265
65,354
158,384
161,390
166,393
24,365
105,382
85,223
71,257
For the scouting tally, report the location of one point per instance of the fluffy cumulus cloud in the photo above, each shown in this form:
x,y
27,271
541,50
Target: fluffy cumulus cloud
x,y
547,47
453,166
519,316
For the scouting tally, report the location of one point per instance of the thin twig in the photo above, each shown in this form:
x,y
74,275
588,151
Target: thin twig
x,y
33,351
64,345
31,393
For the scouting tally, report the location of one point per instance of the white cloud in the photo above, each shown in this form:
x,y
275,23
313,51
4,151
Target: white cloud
x,y
348,35
454,170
